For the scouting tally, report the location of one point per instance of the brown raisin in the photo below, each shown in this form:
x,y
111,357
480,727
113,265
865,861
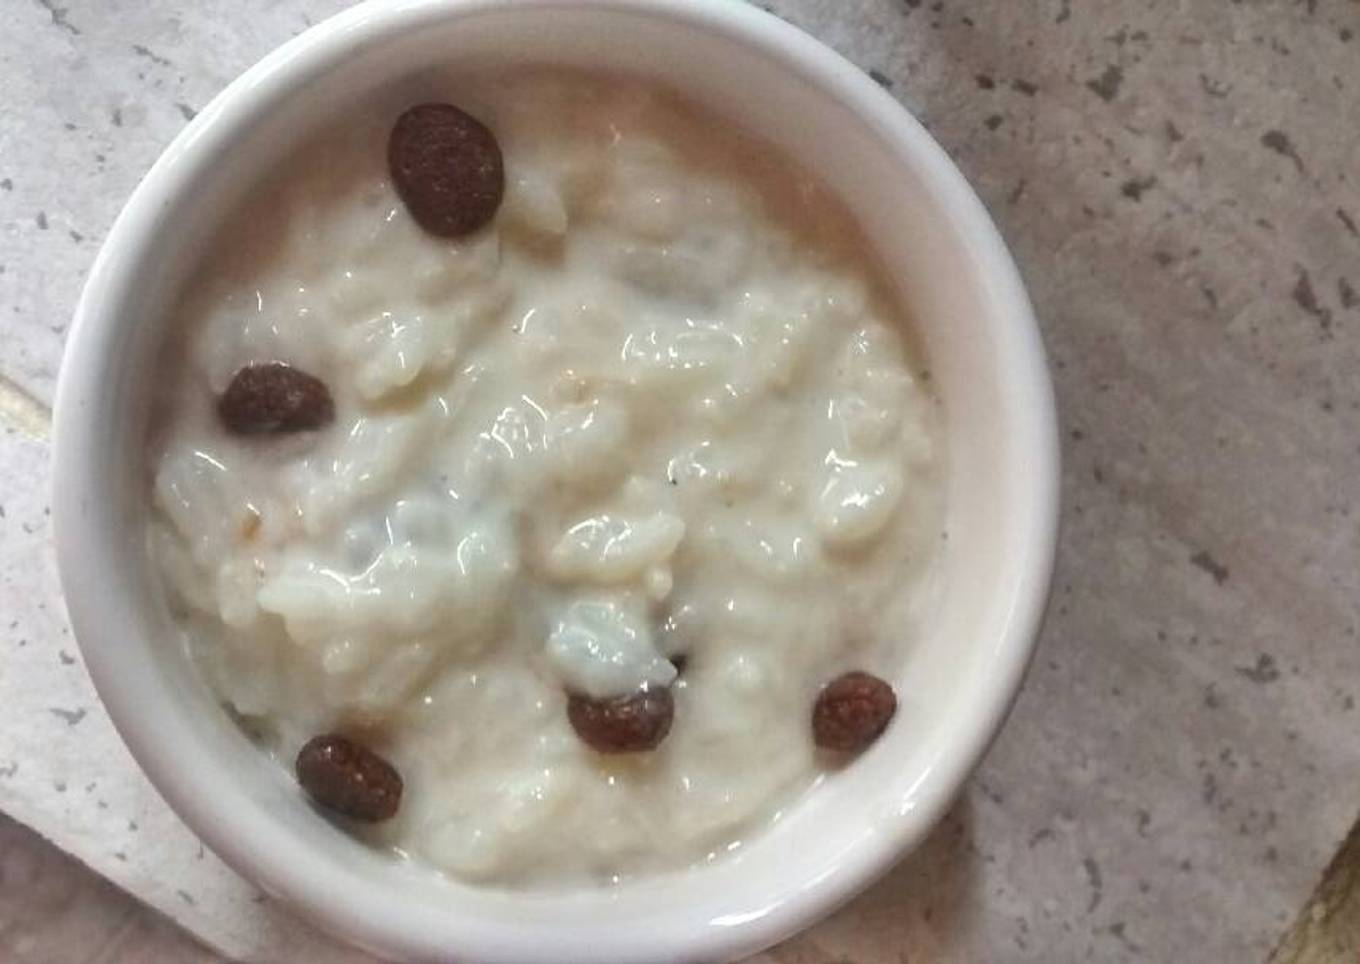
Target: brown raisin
x,y
271,397
623,724
348,778
447,167
852,711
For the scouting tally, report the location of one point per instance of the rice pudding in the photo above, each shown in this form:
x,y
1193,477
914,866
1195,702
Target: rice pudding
x,y
656,427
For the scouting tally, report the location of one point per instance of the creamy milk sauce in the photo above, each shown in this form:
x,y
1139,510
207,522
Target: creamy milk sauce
x,y
660,407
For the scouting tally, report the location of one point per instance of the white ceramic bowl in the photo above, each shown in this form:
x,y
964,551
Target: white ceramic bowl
x,y
983,349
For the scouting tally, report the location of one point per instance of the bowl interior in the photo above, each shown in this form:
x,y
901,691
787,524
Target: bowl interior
x,y
954,278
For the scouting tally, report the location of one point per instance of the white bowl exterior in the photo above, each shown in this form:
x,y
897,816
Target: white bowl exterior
x,y
984,351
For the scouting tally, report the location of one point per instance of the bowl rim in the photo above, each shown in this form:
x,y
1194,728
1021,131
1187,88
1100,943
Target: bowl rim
x,y
84,550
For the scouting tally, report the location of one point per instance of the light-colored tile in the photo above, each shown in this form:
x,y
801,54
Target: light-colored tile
x,y
151,939
54,910
1327,931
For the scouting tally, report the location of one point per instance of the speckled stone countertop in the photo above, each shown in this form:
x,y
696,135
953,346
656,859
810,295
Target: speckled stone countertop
x,y
1178,181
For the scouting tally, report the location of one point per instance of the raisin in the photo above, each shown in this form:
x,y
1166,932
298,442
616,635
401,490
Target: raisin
x,y
348,778
271,397
447,168
852,711
623,724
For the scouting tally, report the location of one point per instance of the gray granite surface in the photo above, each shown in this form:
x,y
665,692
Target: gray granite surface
x,y
1178,180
